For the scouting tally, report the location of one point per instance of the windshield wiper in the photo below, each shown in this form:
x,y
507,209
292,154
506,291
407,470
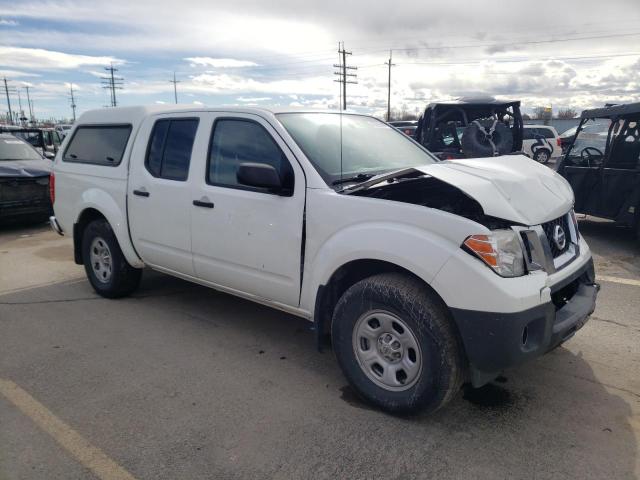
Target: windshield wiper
x,y
375,179
361,177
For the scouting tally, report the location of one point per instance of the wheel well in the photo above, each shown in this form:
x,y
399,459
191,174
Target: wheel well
x,y
86,217
345,276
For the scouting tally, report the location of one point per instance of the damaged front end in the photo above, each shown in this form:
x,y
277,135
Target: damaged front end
x,y
526,208
420,189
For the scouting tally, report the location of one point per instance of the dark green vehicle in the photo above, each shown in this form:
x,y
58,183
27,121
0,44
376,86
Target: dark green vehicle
x,y
603,164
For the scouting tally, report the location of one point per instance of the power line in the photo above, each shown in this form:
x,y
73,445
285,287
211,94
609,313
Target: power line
x,y
508,44
343,76
112,83
510,60
175,88
389,64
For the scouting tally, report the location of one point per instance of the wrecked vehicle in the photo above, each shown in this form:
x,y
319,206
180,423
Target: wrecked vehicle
x,y
24,181
602,164
471,128
423,274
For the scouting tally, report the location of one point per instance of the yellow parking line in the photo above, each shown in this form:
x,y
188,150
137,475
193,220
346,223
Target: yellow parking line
x,y
89,456
623,281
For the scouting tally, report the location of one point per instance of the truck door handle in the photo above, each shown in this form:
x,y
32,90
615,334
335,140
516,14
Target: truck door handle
x,y
141,193
203,203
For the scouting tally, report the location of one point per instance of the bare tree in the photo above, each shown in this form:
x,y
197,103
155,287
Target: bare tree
x,y
567,113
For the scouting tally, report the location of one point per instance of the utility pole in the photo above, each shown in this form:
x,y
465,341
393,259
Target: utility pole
x,y
389,64
343,76
6,91
112,83
72,99
26,87
21,117
175,88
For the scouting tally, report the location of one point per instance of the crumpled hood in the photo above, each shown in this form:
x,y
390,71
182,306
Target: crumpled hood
x,y
25,168
511,187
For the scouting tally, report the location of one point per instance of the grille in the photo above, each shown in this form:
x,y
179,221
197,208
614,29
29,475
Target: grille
x,y
549,229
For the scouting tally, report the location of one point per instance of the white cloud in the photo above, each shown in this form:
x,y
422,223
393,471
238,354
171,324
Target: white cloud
x,y
219,62
38,58
253,99
17,74
8,23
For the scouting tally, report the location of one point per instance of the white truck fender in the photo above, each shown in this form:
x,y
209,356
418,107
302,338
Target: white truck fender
x,y
373,240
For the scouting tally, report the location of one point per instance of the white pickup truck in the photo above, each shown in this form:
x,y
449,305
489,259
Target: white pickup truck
x,y
424,274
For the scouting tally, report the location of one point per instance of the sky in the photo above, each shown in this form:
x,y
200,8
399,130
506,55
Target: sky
x,y
562,53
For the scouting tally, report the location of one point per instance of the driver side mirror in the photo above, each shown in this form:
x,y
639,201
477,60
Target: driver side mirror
x,y
260,175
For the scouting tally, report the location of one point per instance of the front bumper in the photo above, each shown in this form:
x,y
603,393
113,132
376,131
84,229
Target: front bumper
x,y
495,341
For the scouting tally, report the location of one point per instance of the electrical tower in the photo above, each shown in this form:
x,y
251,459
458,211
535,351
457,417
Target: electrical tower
x,y
343,76
72,101
8,90
31,119
389,64
112,82
175,87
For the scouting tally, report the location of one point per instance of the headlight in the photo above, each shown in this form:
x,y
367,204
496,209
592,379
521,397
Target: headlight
x,y
575,223
501,250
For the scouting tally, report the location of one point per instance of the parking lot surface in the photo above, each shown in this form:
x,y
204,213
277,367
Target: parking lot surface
x,y
183,382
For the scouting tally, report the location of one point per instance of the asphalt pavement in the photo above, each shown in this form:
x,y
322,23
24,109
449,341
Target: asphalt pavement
x,y
183,382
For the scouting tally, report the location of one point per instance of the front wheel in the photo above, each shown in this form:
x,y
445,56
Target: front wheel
x,y
542,156
396,344
107,270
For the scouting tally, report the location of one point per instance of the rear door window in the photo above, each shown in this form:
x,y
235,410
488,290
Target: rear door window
x,y
170,146
98,145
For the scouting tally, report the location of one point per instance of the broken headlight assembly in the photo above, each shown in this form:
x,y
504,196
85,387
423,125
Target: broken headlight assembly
x,y
501,251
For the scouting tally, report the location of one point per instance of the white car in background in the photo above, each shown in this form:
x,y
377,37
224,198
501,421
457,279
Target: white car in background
x,y
541,142
63,130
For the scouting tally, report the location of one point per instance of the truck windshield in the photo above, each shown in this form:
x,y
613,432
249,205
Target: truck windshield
x,y
344,145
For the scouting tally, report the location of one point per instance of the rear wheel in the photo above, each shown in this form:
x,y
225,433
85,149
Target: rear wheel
x,y
542,156
396,344
107,270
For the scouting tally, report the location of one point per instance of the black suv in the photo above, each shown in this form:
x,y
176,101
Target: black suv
x,y
602,164
471,128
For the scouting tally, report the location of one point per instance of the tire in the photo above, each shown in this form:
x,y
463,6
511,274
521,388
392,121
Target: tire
x,y
475,142
425,327
110,277
542,155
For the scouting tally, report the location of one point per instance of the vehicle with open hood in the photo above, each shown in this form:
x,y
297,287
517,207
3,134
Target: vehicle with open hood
x,y
602,164
24,181
422,274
